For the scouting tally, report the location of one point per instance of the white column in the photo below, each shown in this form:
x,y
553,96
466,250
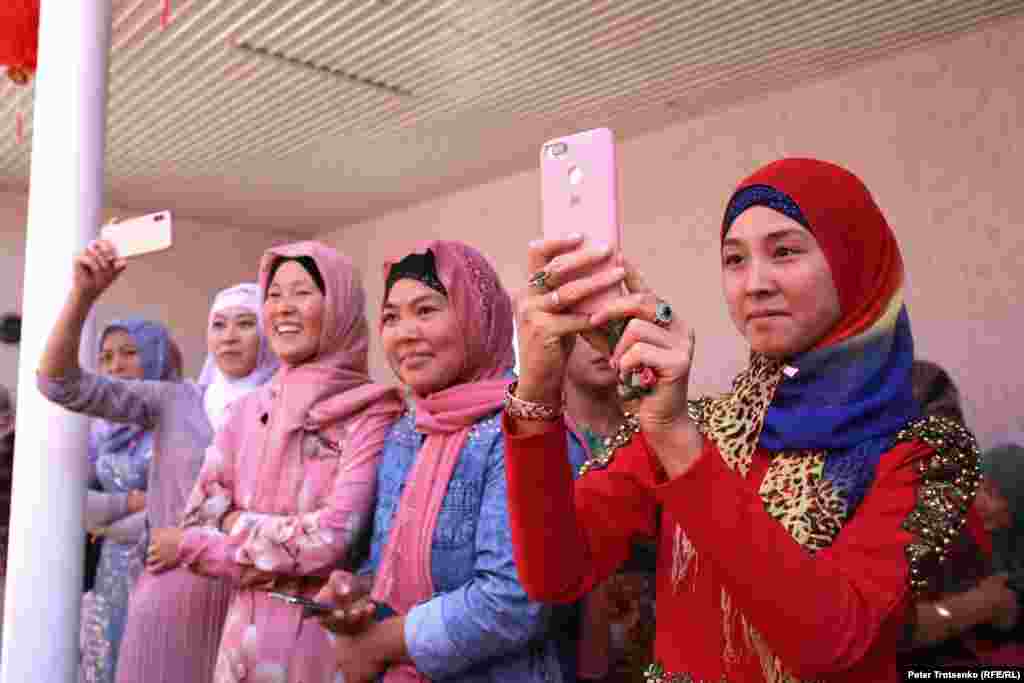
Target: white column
x,y
45,554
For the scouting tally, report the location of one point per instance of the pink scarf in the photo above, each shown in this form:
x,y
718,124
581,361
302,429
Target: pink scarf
x,y
325,392
483,310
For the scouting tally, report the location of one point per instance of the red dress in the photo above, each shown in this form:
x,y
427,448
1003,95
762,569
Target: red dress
x,y
836,614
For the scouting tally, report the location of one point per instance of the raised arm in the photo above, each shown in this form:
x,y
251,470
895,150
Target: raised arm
x,y
564,540
62,380
95,269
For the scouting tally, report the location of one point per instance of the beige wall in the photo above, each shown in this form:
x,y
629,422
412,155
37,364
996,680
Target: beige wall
x,y
175,287
937,135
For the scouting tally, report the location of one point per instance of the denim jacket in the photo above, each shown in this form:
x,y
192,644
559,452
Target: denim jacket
x,y
479,625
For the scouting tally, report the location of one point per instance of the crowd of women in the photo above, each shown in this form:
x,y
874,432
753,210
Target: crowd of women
x,y
828,519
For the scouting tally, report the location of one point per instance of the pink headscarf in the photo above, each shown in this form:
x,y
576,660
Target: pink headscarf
x,y
483,312
326,391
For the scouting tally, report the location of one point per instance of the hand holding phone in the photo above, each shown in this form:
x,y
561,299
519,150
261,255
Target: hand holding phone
x,y
141,235
323,611
309,607
94,269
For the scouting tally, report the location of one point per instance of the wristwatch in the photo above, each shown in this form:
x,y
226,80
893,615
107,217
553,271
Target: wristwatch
x,y
947,619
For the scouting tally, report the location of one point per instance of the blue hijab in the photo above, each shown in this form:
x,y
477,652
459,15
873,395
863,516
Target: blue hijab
x,y
158,361
851,400
851,395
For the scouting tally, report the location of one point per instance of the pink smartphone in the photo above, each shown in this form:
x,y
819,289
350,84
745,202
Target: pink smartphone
x,y
141,235
579,193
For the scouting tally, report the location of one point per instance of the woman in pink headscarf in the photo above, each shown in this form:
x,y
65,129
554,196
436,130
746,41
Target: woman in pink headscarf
x,y
447,601
288,483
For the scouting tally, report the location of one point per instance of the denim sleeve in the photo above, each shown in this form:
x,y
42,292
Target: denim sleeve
x,y
489,616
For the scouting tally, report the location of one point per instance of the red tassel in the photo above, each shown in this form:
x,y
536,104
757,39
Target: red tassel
x,y
165,16
19,127
19,38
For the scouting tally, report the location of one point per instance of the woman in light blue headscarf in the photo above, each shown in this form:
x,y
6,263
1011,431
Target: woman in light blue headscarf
x,y
120,454
156,438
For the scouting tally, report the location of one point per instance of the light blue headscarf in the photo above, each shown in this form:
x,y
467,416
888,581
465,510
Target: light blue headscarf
x,y
158,362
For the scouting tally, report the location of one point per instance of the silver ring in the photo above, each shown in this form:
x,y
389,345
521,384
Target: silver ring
x,y
662,314
555,301
539,280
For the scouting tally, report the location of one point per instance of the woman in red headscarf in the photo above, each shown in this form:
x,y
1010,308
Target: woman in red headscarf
x,y
797,516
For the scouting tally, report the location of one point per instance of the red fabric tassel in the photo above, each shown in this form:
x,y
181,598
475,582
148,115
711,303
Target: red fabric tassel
x,y
19,37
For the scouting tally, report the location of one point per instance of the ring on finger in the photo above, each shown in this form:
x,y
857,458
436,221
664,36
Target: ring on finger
x,y
555,299
539,280
662,314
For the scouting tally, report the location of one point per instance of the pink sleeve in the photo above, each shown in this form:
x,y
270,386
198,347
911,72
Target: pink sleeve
x,y
205,549
310,543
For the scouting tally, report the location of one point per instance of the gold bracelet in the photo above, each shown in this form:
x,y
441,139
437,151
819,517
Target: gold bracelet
x,y
528,410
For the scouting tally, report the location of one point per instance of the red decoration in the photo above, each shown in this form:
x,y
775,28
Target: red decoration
x,y
19,38
165,15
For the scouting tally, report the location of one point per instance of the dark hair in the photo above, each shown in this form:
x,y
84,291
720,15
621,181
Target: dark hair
x,y
935,391
419,267
306,262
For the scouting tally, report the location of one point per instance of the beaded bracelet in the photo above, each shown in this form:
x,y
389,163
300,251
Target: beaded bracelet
x,y
528,410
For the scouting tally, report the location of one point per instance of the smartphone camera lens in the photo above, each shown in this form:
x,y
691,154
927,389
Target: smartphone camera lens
x,y
557,150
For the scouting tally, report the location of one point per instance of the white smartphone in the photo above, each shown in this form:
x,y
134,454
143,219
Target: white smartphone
x,y
142,235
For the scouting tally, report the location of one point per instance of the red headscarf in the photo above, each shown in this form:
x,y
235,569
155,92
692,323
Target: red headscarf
x,y
858,243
